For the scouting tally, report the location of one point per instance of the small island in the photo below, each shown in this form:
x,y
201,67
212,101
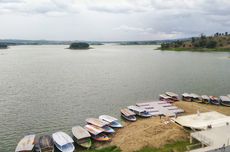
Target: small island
x,y
79,46
217,42
3,46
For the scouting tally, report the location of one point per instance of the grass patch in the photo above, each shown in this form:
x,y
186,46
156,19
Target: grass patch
x,y
179,146
106,149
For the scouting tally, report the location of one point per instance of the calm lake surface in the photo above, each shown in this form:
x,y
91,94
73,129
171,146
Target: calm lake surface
x,y
44,89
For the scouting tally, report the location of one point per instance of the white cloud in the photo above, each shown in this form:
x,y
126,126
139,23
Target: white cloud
x,y
113,19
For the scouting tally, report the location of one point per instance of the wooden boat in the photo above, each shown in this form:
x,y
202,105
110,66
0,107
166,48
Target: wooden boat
x,y
205,99
99,123
97,133
163,97
174,96
214,100
113,122
45,144
63,142
81,136
26,144
128,115
186,97
139,111
225,100
195,97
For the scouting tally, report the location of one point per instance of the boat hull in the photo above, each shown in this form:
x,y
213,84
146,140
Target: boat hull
x,y
115,125
225,103
130,118
101,137
87,144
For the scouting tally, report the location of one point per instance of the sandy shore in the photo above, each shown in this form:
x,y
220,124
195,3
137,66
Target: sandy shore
x,y
154,132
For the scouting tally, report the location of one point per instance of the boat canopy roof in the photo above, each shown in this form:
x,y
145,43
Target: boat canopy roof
x,y
46,141
62,138
186,95
224,98
164,96
136,108
108,118
96,122
171,94
205,97
94,129
194,95
127,112
80,132
26,143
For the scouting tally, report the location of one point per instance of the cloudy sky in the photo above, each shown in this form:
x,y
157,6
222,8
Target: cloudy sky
x,y
112,19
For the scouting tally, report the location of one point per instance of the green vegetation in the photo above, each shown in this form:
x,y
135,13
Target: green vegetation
x,y
106,149
179,146
217,42
79,45
3,46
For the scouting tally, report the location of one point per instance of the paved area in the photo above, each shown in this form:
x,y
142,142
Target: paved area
x,y
215,138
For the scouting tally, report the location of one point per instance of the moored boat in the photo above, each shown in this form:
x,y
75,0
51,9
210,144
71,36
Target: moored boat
x,y
26,144
45,144
139,111
225,100
128,115
63,142
81,136
195,97
186,97
97,133
205,99
99,123
174,96
164,97
113,122
214,100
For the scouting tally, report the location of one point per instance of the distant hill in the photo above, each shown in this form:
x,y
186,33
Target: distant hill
x,y
43,42
217,42
3,46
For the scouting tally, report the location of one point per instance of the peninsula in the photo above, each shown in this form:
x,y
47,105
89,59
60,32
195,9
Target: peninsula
x,y
216,42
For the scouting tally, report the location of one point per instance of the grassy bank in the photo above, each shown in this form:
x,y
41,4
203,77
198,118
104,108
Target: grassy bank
x,y
179,146
106,149
196,49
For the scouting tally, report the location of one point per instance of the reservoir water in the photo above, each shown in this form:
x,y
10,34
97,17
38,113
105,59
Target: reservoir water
x,y
44,89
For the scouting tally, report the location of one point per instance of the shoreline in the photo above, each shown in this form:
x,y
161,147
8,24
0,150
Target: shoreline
x,y
195,49
155,132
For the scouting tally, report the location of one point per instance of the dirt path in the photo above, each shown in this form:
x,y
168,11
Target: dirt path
x,y
154,132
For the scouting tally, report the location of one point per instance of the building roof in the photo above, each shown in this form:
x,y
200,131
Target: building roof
x,y
203,120
26,143
80,132
62,138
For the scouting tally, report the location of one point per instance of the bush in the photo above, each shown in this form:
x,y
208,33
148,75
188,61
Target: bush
x,y
79,45
211,44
